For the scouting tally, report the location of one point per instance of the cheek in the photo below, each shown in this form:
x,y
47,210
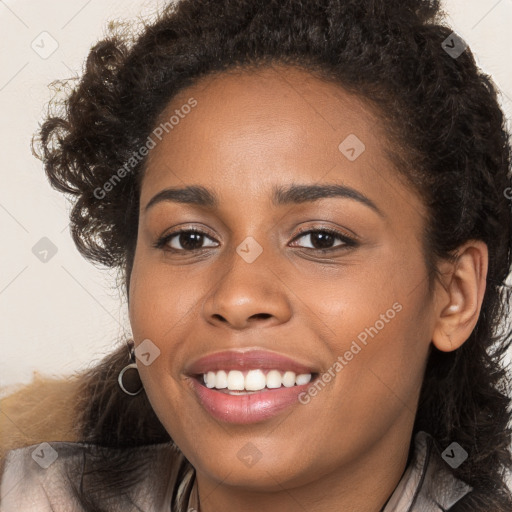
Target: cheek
x,y
382,362
380,324
162,306
160,297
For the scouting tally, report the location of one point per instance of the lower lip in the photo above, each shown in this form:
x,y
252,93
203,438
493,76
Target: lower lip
x,y
251,408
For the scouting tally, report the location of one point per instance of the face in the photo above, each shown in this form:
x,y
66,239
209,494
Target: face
x,y
327,283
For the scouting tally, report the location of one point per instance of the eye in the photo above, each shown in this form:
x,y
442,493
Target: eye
x,y
322,239
185,240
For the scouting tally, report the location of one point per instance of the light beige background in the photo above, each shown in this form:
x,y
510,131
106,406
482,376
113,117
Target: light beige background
x,y
60,315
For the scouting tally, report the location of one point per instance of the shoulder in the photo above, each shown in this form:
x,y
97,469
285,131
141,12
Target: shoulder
x,y
40,411
443,489
29,473
428,484
63,476
438,485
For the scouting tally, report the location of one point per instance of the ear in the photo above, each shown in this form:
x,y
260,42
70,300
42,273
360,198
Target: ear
x,y
459,295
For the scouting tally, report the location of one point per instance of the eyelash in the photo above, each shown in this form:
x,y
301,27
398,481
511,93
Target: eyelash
x,y
348,242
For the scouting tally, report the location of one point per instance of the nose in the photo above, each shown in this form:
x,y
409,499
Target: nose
x,y
247,294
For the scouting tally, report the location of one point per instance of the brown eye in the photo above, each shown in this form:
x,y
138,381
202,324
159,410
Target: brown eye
x,y
323,239
183,241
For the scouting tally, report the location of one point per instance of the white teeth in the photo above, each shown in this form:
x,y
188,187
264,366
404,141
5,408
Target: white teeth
x,y
274,379
303,378
254,380
236,380
221,380
289,379
210,380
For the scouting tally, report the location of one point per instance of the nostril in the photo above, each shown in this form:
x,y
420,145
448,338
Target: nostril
x,y
261,315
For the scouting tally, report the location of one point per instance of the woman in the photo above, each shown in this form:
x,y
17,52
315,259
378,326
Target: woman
x,y
308,205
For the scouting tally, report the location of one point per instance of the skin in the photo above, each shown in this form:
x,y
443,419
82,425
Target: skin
x,y
347,448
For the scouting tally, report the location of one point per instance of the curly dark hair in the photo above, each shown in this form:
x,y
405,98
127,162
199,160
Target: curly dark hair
x,y
447,136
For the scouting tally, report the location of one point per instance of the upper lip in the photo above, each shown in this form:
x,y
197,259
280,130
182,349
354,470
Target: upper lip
x,y
247,360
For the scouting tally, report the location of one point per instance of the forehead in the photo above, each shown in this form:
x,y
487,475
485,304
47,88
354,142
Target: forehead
x,y
269,125
256,104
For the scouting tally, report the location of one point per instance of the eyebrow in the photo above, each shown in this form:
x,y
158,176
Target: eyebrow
x,y
292,194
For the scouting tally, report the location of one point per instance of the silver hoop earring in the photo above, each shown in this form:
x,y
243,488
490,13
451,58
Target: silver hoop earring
x,y
129,378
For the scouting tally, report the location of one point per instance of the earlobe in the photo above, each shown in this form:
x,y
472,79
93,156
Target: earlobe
x,y
460,296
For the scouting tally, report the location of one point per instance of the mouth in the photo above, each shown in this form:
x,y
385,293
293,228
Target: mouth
x,y
250,386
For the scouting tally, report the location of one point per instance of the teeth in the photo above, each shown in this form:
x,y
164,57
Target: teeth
x,y
209,380
236,380
274,379
221,380
304,378
254,380
289,379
